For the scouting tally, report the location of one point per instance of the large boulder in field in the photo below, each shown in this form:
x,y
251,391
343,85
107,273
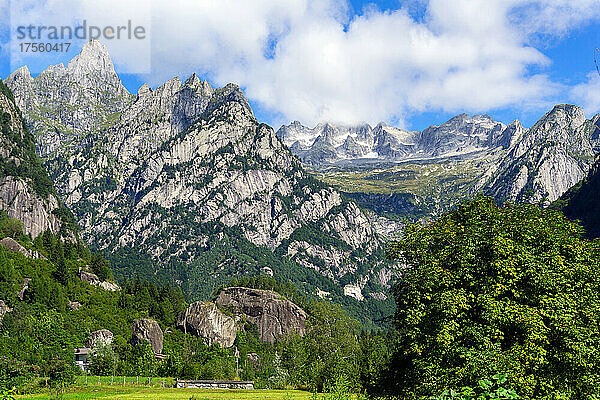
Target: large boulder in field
x,y
207,321
147,330
273,315
101,336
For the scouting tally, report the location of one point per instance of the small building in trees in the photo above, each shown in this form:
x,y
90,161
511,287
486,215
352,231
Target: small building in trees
x,y
82,358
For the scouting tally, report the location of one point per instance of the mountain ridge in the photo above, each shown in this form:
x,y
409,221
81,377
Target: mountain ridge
x,y
186,179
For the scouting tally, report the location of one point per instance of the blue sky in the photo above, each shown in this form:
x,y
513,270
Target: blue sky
x,y
408,63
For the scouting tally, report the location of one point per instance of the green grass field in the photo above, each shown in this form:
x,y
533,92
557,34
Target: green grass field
x,y
138,392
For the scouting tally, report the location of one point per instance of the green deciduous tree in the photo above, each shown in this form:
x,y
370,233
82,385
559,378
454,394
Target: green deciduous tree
x,y
497,289
103,359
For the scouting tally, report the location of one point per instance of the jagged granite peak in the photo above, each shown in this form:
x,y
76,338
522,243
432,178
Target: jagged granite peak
x,y
461,134
93,60
550,157
228,94
511,135
63,105
21,75
144,90
196,84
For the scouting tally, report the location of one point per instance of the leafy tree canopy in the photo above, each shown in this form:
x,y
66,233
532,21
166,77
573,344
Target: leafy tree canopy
x,y
494,289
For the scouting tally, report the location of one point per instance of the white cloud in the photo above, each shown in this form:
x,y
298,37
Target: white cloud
x,y
587,94
310,60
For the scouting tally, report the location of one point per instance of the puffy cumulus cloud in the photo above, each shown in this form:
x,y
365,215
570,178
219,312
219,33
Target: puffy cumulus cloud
x,y
553,16
313,60
587,94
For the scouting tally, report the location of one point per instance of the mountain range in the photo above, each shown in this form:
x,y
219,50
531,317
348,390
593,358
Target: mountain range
x,y
425,173
182,183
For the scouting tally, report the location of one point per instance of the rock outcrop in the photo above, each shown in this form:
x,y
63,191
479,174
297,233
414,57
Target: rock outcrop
x,y
204,319
147,330
273,315
93,279
24,288
101,336
12,245
4,309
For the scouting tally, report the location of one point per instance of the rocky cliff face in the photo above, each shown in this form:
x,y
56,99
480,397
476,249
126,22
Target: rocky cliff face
x,y
273,315
26,193
100,337
582,202
187,177
204,319
551,157
147,330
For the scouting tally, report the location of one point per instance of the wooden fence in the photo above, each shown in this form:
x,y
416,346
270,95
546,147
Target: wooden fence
x,y
92,380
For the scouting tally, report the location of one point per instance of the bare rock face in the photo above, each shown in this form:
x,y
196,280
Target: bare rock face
x,y
207,321
12,245
551,157
20,197
24,287
4,309
85,95
93,279
147,330
273,315
102,336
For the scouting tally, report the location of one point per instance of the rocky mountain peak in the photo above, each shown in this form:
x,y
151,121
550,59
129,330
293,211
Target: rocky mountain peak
x,y
570,114
20,75
231,93
66,103
144,90
93,59
198,85
548,159
510,136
